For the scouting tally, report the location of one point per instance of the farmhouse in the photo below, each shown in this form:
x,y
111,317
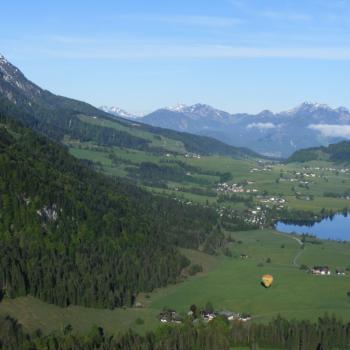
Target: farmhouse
x,y
340,271
207,315
244,318
169,316
230,316
321,270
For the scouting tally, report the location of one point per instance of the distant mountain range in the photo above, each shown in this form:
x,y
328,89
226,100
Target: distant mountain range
x,y
60,118
272,134
268,133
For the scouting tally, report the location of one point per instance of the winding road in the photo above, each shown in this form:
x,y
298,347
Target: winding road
x,y
298,254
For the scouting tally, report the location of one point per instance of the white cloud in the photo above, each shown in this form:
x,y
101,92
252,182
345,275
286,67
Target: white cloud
x,y
261,126
332,130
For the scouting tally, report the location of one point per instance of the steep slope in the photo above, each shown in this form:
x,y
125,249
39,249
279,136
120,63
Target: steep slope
x,y
71,236
274,134
57,117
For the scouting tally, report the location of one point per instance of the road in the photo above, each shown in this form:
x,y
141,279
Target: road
x,y
298,254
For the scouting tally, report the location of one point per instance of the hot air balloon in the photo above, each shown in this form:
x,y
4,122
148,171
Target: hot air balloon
x,y
266,280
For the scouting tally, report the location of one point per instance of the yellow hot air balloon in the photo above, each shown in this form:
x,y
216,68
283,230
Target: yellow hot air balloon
x,y
267,280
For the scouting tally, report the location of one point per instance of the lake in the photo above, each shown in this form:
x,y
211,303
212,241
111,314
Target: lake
x,y
336,228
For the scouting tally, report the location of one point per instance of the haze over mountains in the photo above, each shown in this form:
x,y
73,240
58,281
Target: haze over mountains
x,y
268,133
60,117
274,134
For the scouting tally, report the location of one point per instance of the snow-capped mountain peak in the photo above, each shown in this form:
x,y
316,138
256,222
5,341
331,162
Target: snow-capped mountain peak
x,y
315,106
342,110
307,125
119,112
198,110
180,107
3,59
12,76
307,107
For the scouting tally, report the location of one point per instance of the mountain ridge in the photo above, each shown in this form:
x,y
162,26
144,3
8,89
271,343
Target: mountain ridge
x,y
199,107
273,134
58,117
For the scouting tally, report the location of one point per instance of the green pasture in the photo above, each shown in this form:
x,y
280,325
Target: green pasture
x,y
268,182
230,283
133,129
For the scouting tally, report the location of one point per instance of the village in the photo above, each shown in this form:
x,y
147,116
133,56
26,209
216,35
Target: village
x,y
263,169
192,155
205,315
269,201
225,188
326,271
341,170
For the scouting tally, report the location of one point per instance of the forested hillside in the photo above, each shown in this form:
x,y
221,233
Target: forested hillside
x,y
338,152
71,236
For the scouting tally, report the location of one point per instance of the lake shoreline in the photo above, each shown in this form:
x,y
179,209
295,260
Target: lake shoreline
x,y
334,228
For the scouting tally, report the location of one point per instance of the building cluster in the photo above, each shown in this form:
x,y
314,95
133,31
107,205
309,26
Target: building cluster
x,y
171,316
326,271
192,155
208,316
266,168
225,188
341,170
257,216
292,179
305,174
279,202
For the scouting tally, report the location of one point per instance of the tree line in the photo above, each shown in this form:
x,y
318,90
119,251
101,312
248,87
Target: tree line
x,y
327,333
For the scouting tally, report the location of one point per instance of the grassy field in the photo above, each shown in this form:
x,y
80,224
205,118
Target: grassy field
x,y
234,285
279,180
163,142
229,283
270,178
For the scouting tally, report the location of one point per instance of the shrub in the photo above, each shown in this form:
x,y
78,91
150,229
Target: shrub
x,y
194,269
139,321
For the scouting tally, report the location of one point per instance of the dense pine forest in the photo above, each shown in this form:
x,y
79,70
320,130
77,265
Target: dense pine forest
x,y
326,334
72,236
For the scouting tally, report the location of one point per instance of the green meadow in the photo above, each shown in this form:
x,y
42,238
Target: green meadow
x,y
229,283
202,176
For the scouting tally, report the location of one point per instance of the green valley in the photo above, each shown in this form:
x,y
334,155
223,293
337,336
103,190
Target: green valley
x,y
111,228
230,283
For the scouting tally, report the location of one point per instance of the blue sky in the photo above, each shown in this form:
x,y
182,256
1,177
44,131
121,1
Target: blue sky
x,y
141,55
